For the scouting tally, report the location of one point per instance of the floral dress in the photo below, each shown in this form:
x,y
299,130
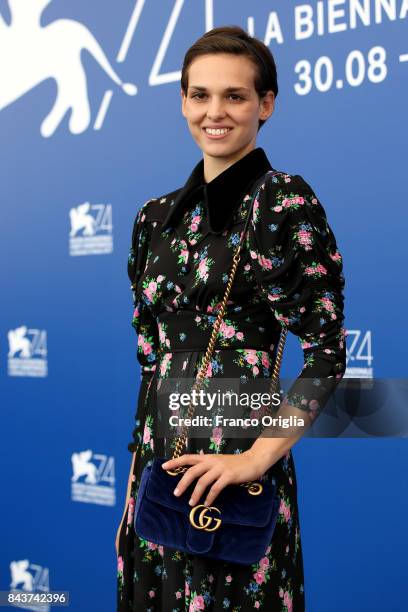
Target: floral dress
x,y
289,275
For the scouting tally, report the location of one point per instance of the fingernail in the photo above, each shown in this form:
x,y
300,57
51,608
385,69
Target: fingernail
x,y
191,502
176,491
164,465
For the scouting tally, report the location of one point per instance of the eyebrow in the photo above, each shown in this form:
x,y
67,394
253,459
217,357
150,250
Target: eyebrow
x,y
200,88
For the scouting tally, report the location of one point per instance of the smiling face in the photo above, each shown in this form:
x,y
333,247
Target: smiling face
x,y
221,94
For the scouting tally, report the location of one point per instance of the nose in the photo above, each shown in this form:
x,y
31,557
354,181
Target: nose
x,y
215,109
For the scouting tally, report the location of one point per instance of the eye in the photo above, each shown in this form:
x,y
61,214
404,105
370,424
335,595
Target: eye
x,y
199,94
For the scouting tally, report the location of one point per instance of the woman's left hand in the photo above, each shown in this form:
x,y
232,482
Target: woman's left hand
x,y
219,469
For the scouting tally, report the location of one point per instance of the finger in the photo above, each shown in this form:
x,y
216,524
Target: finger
x,y
202,484
215,490
189,476
184,459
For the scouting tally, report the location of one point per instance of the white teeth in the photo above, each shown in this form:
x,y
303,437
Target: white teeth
x,y
217,132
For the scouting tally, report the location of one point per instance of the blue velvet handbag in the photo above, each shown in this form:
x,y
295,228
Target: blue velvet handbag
x,y
239,526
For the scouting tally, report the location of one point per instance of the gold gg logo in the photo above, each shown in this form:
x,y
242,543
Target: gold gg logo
x,y
254,488
202,516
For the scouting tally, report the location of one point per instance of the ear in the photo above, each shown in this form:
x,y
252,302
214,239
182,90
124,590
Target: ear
x,y
267,105
183,102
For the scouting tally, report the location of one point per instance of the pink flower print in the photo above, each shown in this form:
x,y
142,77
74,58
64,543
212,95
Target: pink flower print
x,y
288,202
228,578
209,370
314,405
268,550
251,356
265,360
152,286
335,256
151,545
178,595
247,267
197,603
194,227
319,269
227,331
217,435
253,254
196,219
273,297
197,319
203,268
148,294
277,208
239,336
147,348
210,578
151,594
146,434
328,304
281,592
287,600
304,238
120,563
160,278
264,262
285,510
259,577
193,241
314,201
184,255
161,550
255,370
256,604
136,312
264,563
186,589
162,335
131,510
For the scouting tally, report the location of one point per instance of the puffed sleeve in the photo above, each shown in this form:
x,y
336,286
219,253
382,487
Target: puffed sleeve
x,y
299,271
142,320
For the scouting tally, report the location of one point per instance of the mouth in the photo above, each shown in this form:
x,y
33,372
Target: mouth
x,y
216,134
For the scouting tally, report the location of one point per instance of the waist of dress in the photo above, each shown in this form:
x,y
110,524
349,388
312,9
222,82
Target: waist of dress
x,y
192,332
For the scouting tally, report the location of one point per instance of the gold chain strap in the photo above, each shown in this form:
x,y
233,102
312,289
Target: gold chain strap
x,y
253,488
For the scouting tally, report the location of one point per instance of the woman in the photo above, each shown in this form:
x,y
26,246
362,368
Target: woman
x,y
289,275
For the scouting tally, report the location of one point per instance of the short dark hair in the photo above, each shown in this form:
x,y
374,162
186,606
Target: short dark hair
x,y
234,40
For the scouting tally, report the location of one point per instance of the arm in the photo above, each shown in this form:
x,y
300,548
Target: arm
x,y
143,321
299,271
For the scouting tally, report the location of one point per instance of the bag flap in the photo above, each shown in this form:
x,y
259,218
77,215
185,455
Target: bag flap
x,y
237,506
199,541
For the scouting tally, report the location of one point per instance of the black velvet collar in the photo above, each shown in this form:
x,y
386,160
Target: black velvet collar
x,y
225,190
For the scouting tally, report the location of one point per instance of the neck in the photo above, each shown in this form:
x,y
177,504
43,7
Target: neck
x,y
213,166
